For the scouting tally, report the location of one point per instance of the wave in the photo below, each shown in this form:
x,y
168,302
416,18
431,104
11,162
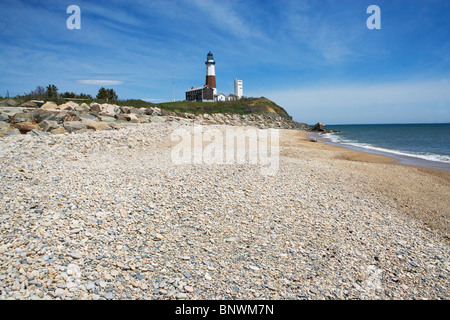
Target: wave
x,y
422,155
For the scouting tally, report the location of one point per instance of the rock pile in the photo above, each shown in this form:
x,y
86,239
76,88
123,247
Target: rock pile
x,y
39,119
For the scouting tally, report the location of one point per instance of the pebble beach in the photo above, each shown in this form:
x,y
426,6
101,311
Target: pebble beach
x,y
107,215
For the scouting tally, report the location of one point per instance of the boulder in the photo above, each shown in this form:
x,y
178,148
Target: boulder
x,y
29,104
25,127
73,105
50,106
61,116
137,111
132,118
38,102
65,106
97,126
95,107
107,119
4,117
110,110
87,118
125,109
37,133
8,103
11,111
58,131
156,111
319,127
83,107
42,114
21,117
73,126
6,130
48,125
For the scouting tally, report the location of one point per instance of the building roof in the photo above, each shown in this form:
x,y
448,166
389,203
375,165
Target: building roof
x,y
198,88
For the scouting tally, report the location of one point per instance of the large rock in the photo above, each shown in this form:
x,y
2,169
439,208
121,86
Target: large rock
x,y
4,117
8,103
50,106
11,111
87,117
107,119
95,107
38,102
42,114
21,117
110,110
6,130
29,104
58,131
97,126
73,126
82,108
319,127
73,105
48,125
37,133
25,127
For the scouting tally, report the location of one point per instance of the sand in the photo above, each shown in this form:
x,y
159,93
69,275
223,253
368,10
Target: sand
x,y
421,193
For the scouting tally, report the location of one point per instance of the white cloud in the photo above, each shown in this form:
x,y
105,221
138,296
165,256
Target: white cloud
x,y
101,82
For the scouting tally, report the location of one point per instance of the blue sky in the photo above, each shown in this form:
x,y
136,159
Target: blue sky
x,y
315,58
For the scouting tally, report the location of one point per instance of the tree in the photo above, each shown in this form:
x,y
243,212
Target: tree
x,y
112,94
52,91
102,94
107,94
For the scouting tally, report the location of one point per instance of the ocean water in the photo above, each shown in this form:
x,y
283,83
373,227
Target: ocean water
x,y
421,144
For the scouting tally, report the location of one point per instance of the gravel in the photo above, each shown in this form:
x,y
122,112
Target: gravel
x,y
106,215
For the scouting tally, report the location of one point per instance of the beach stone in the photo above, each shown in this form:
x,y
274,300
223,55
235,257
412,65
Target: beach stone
x,y
25,127
97,125
11,111
107,119
58,131
40,115
29,104
8,103
73,126
4,117
87,117
50,105
48,125
21,117
37,133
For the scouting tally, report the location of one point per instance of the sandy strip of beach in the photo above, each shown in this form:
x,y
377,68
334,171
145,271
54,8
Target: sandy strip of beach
x,y
108,215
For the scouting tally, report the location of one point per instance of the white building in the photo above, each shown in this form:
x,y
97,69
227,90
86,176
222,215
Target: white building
x,y
219,97
238,88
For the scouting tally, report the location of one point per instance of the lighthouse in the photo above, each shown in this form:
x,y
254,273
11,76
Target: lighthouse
x,y
211,72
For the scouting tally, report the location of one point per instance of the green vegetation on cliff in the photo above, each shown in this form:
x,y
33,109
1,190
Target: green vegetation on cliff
x,y
243,106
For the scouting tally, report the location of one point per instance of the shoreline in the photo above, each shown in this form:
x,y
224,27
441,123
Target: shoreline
x,y
401,159
418,191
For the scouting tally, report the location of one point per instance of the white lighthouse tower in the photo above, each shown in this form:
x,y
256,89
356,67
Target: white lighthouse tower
x,y
239,88
211,72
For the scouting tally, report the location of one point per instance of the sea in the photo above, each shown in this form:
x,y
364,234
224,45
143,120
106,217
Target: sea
x,y
425,145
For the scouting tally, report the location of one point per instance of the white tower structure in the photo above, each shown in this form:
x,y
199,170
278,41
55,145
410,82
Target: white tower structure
x,y
211,72
238,88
